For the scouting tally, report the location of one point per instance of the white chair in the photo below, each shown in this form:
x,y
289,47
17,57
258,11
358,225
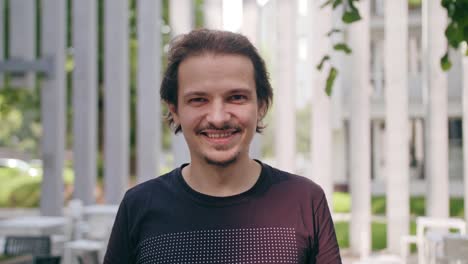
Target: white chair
x,y
454,249
427,249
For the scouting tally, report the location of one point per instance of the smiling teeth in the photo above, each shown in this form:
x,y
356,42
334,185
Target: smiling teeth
x,y
219,135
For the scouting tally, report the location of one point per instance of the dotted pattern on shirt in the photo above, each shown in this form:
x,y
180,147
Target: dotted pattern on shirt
x,y
247,246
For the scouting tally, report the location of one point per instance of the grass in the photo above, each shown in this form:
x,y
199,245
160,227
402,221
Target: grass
x,y
342,204
378,230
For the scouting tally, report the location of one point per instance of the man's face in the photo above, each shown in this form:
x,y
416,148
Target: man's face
x,y
217,107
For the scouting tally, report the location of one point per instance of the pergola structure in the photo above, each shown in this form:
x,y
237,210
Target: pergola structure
x,y
340,133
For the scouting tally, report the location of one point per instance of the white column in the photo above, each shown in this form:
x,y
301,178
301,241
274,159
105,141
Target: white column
x,y
181,21
359,41
148,107
181,16
53,107
23,38
213,10
250,28
396,117
85,91
116,103
285,109
465,129
434,23
321,123
339,134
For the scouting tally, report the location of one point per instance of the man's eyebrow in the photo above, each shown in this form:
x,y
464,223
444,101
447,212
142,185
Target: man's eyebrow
x,y
240,90
194,93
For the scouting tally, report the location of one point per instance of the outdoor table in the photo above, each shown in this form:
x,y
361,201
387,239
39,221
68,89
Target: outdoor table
x,y
16,259
32,225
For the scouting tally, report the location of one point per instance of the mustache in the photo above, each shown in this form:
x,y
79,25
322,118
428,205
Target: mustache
x,y
224,127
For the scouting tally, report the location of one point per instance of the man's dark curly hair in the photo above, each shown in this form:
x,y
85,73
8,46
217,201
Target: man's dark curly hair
x,y
201,41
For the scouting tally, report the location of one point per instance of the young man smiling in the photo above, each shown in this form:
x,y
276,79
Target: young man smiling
x,y
222,207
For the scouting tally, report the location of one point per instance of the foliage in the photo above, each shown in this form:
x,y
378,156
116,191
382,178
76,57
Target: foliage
x,y
457,28
20,190
20,115
456,32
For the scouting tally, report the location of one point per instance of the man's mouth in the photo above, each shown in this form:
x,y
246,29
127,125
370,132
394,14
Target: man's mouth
x,y
219,134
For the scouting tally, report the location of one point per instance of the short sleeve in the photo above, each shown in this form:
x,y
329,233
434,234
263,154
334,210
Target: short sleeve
x,y
119,249
326,249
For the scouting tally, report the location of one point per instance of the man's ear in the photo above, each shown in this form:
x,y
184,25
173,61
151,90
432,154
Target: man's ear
x,y
173,110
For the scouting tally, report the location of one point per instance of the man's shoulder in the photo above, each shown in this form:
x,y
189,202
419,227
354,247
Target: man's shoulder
x,y
299,182
155,186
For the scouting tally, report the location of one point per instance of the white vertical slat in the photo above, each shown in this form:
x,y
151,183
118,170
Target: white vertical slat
x,y
181,16
465,129
85,99
339,140
434,23
2,38
359,40
182,21
116,100
213,10
396,117
251,28
53,107
285,137
148,107
321,123
23,38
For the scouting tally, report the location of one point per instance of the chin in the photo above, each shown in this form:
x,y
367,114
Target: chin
x,y
222,162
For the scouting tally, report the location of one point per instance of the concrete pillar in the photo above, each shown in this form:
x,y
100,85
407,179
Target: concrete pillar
x,y
321,123
149,131
213,10
396,117
251,29
359,41
434,23
339,134
181,20
85,91
465,129
285,109
116,100
53,107
23,38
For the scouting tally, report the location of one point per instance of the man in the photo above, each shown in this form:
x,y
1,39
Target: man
x,y
223,207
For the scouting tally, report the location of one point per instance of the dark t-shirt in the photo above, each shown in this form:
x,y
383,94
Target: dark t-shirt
x,y
283,218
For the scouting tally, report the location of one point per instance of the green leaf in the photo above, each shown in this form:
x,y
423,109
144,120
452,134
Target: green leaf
x,y
351,16
330,80
454,34
337,3
445,62
322,61
335,30
342,47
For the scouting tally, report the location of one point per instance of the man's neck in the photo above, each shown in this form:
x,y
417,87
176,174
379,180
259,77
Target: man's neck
x,y
222,181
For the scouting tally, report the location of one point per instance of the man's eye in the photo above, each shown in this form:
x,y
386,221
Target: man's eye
x,y
238,97
197,100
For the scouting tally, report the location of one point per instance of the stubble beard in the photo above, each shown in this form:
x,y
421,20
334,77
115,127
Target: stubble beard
x,y
224,163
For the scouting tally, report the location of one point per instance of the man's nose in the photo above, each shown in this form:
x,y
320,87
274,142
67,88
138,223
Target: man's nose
x,y
218,114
